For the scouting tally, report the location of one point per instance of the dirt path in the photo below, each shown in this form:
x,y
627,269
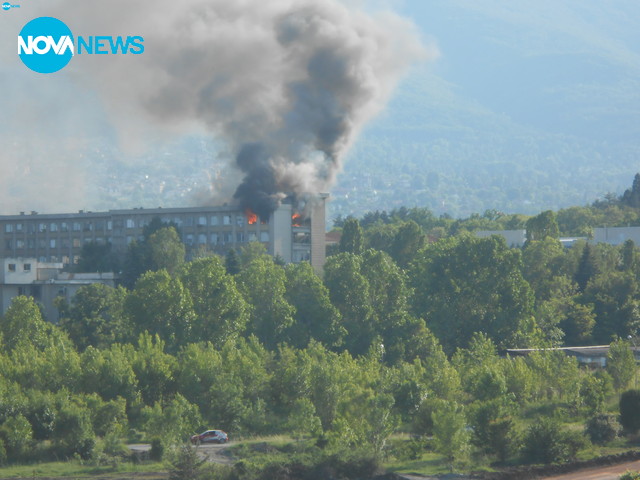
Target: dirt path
x,y
216,453
611,472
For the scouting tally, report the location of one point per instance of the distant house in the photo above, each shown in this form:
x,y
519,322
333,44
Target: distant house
x,y
610,235
44,281
593,356
616,235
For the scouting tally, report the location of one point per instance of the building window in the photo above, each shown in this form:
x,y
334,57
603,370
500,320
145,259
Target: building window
x,y
240,220
76,226
65,243
214,220
18,227
131,223
264,236
31,243
31,227
100,225
109,225
76,243
99,240
11,267
240,237
52,243
253,237
226,237
53,227
202,221
42,227
27,267
188,222
226,220
189,240
129,239
8,228
88,226
214,239
202,239
42,243
8,244
19,243
64,227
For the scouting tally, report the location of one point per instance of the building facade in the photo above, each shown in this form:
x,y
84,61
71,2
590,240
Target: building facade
x,y
44,281
58,238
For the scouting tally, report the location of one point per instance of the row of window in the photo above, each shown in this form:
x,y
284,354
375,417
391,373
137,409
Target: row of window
x,y
214,239
51,243
225,237
57,227
129,223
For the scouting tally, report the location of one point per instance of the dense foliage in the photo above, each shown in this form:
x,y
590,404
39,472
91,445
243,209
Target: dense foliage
x,y
402,333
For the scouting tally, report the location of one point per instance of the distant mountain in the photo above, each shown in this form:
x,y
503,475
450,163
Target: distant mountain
x,y
532,105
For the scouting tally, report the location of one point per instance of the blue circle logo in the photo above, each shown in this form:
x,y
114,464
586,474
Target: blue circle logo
x,y
6,6
45,45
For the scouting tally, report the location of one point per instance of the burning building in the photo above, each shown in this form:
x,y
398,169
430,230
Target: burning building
x,y
294,231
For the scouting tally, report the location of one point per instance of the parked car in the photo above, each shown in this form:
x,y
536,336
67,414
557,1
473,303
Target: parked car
x,y
210,436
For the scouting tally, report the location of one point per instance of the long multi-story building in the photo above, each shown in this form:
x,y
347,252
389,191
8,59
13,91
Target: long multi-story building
x,y
294,236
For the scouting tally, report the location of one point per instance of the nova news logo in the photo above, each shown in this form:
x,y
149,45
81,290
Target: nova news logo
x,y
9,6
46,45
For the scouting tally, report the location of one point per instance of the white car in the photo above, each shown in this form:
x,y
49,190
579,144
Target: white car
x,y
210,436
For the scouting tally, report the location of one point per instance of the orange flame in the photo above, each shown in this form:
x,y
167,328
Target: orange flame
x,y
296,220
252,218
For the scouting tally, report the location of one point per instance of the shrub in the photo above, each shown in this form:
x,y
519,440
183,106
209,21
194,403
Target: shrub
x,y
630,410
602,428
546,443
157,449
630,476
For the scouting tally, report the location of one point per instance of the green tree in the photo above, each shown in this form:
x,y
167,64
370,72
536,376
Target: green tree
x,y
97,257
109,373
154,369
546,443
220,310
629,406
161,305
166,250
96,317
450,435
621,364
631,197
349,293
17,435
408,240
352,238
139,258
315,317
186,465
232,262
614,296
587,268
23,324
542,226
262,284
465,285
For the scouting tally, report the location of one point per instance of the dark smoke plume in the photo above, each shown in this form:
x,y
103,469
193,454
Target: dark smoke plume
x,y
285,84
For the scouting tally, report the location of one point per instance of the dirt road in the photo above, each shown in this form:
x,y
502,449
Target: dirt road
x,y
611,472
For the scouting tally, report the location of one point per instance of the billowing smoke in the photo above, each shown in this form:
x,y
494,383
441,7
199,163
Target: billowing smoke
x,y
285,84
